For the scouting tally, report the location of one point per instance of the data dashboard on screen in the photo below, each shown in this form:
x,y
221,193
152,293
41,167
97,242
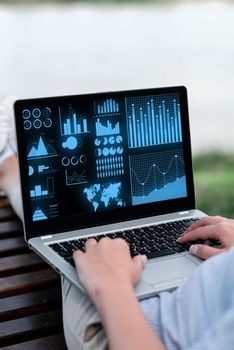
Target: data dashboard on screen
x,y
103,154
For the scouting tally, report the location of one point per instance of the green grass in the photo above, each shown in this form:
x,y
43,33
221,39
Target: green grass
x,y
214,183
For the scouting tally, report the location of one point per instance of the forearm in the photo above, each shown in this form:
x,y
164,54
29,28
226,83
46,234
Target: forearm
x,y
123,320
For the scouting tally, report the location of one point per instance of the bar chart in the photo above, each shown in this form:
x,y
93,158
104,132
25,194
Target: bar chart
x,y
109,106
38,191
152,121
72,123
107,129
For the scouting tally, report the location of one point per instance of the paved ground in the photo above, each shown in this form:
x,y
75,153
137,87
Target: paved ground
x,y
51,50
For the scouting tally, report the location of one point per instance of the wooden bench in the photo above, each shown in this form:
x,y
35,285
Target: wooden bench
x,y
30,293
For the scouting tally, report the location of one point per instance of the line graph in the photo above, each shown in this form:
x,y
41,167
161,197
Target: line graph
x,y
159,176
74,178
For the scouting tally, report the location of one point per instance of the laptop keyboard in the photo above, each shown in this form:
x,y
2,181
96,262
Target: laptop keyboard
x,y
154,241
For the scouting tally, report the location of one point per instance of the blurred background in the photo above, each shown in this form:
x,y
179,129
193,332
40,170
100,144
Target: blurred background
x,y
71,47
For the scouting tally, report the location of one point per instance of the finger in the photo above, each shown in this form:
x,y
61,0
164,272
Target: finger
x,y
139,262
123,243
205,232
206,220
77,256
91,242
204,251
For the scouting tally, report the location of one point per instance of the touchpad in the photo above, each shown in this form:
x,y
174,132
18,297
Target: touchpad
x,y
166,271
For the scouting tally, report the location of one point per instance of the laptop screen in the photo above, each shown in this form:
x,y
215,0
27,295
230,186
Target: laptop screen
x,y
101,156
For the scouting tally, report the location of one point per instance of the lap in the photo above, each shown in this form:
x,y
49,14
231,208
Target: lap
x,y
82,325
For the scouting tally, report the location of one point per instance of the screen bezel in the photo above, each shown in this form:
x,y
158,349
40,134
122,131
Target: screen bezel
x,y
61,224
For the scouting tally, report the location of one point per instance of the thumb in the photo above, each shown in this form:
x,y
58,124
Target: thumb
x,y
139,262
204,251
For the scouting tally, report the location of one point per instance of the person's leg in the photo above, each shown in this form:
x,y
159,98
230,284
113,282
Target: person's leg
x,y
82,325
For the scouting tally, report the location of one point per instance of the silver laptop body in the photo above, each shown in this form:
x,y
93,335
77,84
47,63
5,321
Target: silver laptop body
x,y
102,163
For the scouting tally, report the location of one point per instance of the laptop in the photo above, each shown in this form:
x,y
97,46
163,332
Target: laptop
x,y
112,164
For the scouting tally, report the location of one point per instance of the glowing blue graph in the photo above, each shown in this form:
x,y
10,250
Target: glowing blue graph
x,y
32,118
159,176
30,170
70,143
75,178
153,121
107,167
42,168
39,215
37,191
108,129
107,107
72,124
41,151
176,189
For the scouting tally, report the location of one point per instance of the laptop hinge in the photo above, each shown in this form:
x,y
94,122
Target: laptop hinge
x,y
184,212
46,237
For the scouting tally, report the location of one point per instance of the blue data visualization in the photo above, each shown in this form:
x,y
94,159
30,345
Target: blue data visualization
x,y
39,215
107,195
72,123
157,176
41,151
106,128
153,120
38,191
75,178
37,118
102,152
108,106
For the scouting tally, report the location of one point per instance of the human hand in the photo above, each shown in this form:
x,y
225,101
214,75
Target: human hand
x,y
107,264
209,227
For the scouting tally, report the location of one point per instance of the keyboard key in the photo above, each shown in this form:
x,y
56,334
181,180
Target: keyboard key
x,y
179,249
160,253
70,261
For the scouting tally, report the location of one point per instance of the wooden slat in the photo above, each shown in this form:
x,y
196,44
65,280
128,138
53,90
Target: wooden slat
x,y
6,214
28,282
17,264
30,303
13,246
11,227
27,328
53,342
